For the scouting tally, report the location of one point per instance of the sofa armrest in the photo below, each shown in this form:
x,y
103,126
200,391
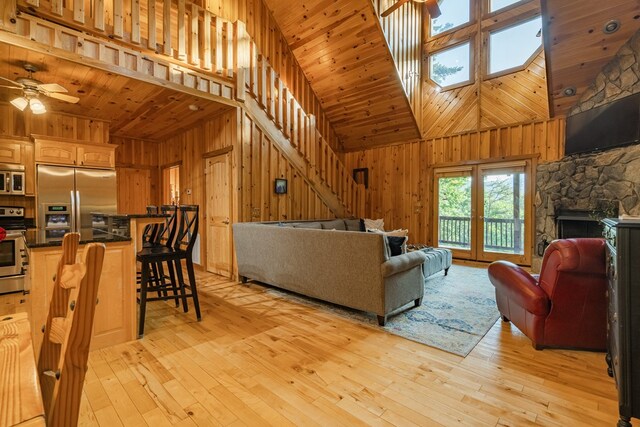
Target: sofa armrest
x,y
519,286
404,262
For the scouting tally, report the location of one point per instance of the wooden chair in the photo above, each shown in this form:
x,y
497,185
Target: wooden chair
x,y
67,334
182,249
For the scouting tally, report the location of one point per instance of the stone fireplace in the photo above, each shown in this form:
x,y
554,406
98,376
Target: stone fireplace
x,y
592,185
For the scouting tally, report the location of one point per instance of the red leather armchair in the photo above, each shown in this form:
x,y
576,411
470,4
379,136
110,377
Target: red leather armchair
x,y
566,305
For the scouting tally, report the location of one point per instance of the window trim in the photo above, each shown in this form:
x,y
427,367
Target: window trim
x,y
472,20
472,65
486,74
486,13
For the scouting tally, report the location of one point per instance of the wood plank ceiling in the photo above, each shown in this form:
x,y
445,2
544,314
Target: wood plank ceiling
x,y
577,48
134,109
343,53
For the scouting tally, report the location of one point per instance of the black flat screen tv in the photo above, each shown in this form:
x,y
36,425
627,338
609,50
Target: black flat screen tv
x,y
610,125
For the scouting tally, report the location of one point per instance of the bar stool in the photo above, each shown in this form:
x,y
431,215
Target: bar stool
x,y
182,249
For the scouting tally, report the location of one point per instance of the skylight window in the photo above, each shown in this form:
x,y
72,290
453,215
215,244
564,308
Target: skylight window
x,y
454,14
451,66
512,47
500,4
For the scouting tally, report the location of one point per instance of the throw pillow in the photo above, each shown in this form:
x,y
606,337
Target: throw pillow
x,y
352,224
396,244
374,224
399,232
336,224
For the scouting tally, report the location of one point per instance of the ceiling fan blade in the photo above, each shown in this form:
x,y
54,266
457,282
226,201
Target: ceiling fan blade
x,y
18,85
52,87
393,8
63,97
11,87
433,8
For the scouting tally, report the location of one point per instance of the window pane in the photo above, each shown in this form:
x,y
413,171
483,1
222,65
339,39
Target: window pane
x,y
454,212
454,13
499,4
451,66
513,46
504,213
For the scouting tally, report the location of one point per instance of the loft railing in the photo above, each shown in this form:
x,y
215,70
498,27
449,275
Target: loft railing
x,y
502,235
187,34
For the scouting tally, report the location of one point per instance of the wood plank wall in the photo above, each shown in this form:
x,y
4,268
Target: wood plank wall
x,y
401,176
261,163
137,163
270,42
403,30
518,97
18,124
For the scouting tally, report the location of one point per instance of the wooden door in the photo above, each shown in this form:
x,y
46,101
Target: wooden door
x,y
96,156
504,212
454,211
218,191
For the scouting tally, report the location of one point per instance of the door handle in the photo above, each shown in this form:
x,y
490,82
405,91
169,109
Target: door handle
x,y
225,222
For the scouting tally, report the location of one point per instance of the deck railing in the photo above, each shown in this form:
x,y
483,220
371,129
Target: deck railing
x,y
502,235
187,34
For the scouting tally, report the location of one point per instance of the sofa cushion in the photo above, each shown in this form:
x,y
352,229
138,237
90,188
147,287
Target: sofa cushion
x,y
336,224
354,224
314,225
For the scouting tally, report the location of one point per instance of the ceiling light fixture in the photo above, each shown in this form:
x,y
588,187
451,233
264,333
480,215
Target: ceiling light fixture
x,y
193,107
569,91
20,103
37,107
611,26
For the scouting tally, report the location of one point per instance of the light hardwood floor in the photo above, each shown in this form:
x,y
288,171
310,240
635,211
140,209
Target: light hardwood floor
x,y
260,360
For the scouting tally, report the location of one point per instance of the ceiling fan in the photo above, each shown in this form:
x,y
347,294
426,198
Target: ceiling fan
x,y
432,7
32,89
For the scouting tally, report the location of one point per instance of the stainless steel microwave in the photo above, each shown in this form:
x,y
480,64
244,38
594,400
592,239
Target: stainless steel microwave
x,y
11,179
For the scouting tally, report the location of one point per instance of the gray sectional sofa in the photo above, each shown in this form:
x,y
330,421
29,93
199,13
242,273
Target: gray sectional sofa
x,y
328,261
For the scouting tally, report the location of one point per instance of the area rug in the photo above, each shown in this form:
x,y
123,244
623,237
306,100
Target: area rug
x,y
456,312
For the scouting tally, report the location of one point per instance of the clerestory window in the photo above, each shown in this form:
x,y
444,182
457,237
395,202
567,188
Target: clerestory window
x,y
452,66
454,14
514,46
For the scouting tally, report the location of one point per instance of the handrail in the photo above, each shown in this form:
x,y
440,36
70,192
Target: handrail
x,y
193,36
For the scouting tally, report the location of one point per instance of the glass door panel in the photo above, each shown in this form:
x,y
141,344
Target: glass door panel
x,y
504,212
455,212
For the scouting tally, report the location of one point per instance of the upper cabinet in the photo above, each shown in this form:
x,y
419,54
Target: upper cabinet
x,y
10,151
74,154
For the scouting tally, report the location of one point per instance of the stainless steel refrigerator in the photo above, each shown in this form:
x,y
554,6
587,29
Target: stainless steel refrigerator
x,y
71,199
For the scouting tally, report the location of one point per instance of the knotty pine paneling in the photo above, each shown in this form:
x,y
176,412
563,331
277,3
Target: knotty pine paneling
x,y
262,163
138,174
403,31
264,30
132,152
259,164
400,176
518,97
23,124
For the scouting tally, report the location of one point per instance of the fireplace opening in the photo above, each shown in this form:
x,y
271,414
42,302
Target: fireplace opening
x,y
572,223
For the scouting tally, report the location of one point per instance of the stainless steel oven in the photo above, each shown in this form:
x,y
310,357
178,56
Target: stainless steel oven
x,y
11,179
13,251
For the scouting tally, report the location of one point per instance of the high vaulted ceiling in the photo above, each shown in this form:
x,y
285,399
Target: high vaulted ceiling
x,y
577,48
134,109
342,50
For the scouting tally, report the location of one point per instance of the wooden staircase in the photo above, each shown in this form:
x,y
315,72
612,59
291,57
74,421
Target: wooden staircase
x,y
177,44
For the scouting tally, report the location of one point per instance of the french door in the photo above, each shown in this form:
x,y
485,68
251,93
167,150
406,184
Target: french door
x,y
483,212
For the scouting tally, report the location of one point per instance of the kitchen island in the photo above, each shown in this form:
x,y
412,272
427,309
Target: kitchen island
x,y
115,317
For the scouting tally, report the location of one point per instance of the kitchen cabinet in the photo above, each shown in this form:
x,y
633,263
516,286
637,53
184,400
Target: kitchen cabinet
x,y
51,151
57,152
10,151
96,156
115,316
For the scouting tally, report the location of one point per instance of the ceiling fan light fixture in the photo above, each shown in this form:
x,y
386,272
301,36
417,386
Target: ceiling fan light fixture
x,y
20,103
37,107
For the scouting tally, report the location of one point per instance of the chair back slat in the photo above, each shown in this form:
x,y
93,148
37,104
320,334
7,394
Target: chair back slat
x,y
168,233
69,332
188,232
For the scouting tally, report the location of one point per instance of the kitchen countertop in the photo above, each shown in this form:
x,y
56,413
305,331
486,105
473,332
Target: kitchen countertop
x,y
130,216
36,238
